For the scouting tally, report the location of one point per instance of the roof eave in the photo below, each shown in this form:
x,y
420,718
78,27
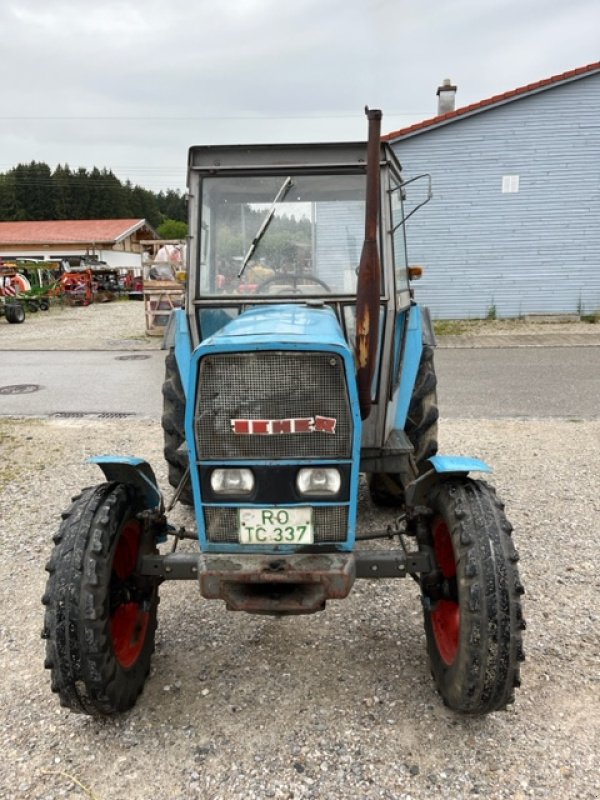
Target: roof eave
x,y
132,229
478,108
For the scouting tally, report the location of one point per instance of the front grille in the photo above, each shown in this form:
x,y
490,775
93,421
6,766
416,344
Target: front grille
x,y
331,524
271,385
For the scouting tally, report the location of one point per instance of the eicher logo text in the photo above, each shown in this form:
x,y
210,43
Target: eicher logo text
x,y
273,427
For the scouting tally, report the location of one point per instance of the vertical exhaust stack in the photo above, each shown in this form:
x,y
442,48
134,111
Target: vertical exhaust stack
x,y
368,291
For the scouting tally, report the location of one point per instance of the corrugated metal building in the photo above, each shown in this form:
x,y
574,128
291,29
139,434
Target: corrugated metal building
x,y
514,224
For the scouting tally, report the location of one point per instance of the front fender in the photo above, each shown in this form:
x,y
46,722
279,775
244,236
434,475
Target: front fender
x,y
442,465
458,464
133,472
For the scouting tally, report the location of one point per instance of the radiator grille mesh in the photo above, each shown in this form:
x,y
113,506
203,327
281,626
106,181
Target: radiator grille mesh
x,y
271,385
331,524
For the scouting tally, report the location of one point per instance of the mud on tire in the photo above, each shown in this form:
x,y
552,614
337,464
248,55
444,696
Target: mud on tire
x,y
472,610
173,424
100,618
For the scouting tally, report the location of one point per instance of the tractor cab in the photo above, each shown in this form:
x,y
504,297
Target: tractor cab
x,y
293,232
274,225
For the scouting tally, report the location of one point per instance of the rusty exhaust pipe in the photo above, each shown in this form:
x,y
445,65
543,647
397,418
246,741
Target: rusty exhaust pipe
x,y
368,290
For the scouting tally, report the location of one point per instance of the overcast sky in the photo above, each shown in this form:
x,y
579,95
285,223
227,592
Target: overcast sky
x,y
130,85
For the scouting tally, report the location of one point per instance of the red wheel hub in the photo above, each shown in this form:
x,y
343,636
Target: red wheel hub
x,y
128,622
445,617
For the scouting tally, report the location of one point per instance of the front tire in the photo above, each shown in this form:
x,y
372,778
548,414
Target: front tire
x,y
100,619
472,609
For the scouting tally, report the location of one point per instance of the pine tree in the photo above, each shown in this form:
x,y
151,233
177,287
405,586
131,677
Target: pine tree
x,y
33,192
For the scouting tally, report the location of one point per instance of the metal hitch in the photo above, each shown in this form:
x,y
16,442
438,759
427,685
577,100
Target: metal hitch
x,y
277,584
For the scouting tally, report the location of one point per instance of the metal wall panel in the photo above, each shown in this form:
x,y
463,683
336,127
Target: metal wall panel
x,y
534,251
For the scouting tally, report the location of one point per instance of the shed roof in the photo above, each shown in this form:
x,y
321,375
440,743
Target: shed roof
x,y
492,102
76,231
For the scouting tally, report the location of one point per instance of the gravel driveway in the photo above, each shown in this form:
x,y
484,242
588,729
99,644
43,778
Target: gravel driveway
x,y
335,705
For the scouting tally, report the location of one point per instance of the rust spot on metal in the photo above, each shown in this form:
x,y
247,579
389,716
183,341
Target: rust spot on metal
x,y
362,340
290,584
369,274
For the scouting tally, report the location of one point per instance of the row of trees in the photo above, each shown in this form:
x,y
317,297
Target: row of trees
x,y
35,192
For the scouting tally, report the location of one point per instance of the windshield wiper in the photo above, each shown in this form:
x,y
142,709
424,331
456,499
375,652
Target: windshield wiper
x,y
287,185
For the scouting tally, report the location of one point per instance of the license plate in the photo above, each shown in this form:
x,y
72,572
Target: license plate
x,y
276,526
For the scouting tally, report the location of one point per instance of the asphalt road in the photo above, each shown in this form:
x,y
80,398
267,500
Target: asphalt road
x,y
82,382
528,382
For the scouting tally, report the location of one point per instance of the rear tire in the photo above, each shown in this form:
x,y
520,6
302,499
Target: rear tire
x,y
173,424
472,608
100,619
421,428
422,420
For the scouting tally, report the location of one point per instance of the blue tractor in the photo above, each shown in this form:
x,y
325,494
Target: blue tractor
x,y
300,362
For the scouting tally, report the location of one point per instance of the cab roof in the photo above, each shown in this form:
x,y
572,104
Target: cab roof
x,y
215,159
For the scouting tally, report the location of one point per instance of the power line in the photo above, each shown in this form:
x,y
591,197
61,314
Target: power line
x,y
207,117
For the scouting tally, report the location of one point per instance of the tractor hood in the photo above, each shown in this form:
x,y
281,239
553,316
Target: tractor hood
x,y
280,324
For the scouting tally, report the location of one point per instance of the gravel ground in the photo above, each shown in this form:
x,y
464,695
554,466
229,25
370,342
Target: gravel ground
x,y
102,326
339,704
335,705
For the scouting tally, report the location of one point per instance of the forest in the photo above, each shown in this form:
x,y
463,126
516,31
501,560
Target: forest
x,y
36,192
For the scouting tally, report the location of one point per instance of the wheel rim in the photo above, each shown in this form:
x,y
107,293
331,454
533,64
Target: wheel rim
x,y
128,620
445,617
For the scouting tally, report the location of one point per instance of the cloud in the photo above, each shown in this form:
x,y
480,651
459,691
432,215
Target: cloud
x,y
135,83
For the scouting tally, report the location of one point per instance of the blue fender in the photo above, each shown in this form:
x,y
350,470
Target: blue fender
x,y
458,464
411,358
134,472
442,465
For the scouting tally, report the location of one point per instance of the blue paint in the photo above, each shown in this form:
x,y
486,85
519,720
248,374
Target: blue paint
x,y
213,319
183,348
279,327
289,324
283,549
460,464
411,357
300,504
281,462
133,472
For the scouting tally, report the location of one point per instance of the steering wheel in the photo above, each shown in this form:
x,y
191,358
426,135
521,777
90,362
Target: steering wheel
x,y
294,281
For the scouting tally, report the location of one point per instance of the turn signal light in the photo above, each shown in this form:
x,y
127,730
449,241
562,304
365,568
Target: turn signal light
x,y
416,272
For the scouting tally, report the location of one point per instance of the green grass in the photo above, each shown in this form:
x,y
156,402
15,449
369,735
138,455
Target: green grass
x,y
591,319
451,327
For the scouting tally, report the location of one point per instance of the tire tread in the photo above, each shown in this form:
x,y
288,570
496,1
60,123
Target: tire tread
x,y
486,670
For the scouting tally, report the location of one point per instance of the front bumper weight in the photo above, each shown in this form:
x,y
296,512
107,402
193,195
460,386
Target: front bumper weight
x,y
277,584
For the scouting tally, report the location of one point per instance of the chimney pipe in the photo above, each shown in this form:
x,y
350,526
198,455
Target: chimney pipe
x,y
446,95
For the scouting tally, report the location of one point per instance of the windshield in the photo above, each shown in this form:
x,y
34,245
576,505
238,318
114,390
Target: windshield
x,y
281,235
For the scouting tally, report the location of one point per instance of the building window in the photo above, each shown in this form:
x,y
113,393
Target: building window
x,y
510,184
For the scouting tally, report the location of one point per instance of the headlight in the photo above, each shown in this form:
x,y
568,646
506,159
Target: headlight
x,y
232,481
319,480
